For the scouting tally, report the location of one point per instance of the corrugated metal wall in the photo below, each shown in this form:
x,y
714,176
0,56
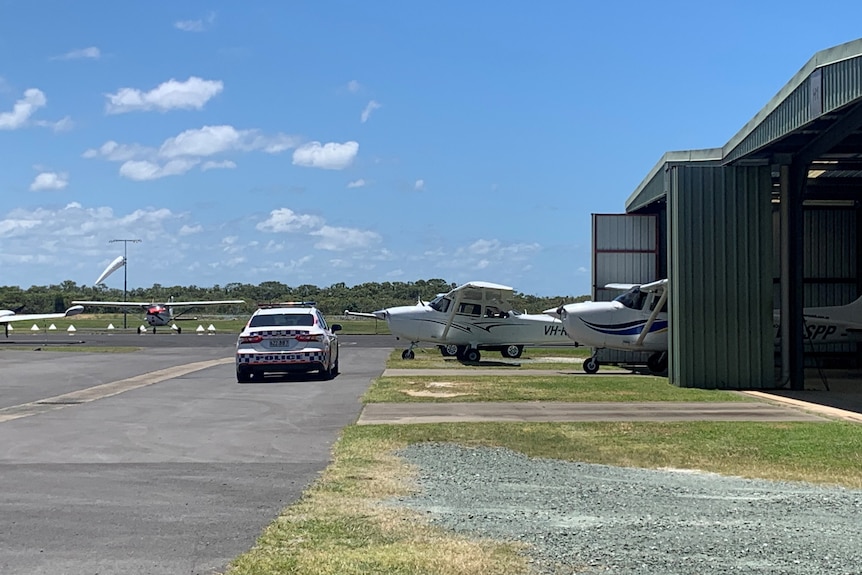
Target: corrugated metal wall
x,y
829,268
720,260
626,249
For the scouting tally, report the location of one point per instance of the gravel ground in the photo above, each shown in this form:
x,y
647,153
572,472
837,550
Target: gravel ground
x,y
584,518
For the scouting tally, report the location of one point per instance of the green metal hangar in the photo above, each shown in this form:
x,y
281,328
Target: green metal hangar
x,y
771,220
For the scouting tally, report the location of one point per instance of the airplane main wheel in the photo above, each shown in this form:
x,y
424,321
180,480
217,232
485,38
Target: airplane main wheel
x,y
407,354
657,362
512,351
591,365
450,350
472,355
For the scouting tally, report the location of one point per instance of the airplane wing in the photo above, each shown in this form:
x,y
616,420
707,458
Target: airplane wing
x,y
115,303
146,304
74,310
647,287
201,303
360,314
621,287
657,285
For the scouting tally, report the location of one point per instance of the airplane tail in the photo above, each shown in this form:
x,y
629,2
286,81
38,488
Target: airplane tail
x,y
853,311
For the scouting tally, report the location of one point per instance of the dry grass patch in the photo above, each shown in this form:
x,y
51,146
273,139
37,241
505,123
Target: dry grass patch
x,y
434,389
345,524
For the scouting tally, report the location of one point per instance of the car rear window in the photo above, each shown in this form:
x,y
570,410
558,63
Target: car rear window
x,y
281,319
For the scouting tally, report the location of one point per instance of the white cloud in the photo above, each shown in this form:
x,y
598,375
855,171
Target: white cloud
x,y
223,165
181,153
195,25
170,95
144,170
115,152
50,181
62,125
353,86
22,110
206,141
337,239
91,53
188,230
370,107
211,140
286,220
419,185
331,156
356,183
189,25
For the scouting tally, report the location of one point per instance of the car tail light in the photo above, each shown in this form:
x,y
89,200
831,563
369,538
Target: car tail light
x,y
308,337
251,339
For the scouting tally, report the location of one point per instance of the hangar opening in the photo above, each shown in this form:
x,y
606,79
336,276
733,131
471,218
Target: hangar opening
x,y
751,234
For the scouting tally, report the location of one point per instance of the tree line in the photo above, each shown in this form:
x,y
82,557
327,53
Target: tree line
x,y
332,300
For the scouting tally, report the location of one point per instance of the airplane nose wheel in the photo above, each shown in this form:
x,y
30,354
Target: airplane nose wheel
x,y
591,365
407,354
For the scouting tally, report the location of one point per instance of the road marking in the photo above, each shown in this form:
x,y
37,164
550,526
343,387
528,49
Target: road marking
x,y
104,390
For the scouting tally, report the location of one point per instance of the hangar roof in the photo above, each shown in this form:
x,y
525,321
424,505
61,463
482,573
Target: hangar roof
x,y
816,117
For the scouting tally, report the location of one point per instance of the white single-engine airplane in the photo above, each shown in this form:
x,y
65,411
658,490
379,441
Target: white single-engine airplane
x,y
633,321
472,317
637,320
161,314
7,316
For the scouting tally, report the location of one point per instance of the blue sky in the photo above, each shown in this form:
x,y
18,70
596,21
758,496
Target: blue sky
x,y
314,142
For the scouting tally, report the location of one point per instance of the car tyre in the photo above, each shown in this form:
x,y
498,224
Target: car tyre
x,y
243,376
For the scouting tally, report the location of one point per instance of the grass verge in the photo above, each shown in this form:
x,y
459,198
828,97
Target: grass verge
x,y
574,388
568,358
340,527
348,522
76,348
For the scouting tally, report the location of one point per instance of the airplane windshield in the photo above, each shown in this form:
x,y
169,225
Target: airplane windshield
x,y
633,299
440,303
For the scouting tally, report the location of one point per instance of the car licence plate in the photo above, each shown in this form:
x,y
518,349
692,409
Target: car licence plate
x,y
279,343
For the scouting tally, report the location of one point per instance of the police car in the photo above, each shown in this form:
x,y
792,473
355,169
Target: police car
x,y
287,337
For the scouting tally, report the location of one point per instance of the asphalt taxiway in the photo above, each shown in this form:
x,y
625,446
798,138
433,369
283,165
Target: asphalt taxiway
x,y
157,461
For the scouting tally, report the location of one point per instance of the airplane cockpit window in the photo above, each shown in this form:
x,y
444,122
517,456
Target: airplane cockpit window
x,y
632,299
654,302
440,304
470,309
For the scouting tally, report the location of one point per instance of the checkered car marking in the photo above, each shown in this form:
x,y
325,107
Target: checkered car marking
x,y
269,358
